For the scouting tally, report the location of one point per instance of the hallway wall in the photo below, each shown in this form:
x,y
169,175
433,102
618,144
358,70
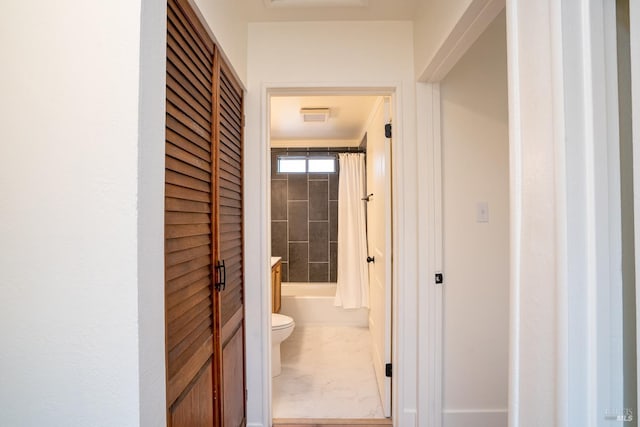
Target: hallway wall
x,y
475,149
70,163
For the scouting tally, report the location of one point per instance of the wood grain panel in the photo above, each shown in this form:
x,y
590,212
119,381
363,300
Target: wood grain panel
x,y
178,382
192,410
234,411
180,354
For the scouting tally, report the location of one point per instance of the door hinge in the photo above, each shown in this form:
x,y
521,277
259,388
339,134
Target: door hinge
x,y
388,370
439,278
387,130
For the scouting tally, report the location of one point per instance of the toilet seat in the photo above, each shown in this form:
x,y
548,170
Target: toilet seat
x,y
280,321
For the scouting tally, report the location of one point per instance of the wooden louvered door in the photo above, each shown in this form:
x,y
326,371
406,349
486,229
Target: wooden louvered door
x,y
229,129
191,300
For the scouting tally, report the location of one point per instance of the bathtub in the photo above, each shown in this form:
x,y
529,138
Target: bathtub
x,y
312,303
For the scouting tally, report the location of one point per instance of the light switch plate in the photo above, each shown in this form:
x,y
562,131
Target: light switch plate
x,y
482,212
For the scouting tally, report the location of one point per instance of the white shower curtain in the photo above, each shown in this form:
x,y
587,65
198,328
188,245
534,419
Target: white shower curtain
x,y
353,272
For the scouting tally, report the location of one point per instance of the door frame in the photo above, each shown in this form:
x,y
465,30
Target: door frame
x,y
261,303
471,25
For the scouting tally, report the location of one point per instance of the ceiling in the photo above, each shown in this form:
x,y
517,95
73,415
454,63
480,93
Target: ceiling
x,y
345,126
328,10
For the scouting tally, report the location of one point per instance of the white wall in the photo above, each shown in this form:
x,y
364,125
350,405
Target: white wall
x,y
68,232
329,54
228,23
475,150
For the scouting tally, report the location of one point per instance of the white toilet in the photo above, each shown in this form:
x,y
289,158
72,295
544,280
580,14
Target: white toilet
x,y
281,327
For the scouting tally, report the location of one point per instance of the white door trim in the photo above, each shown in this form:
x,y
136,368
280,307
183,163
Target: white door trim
x,y
430,295
404,327
634,12
475,19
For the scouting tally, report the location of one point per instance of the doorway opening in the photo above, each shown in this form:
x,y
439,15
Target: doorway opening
x,y
331,246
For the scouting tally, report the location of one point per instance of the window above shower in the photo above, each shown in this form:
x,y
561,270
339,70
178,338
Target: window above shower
x,y
288,164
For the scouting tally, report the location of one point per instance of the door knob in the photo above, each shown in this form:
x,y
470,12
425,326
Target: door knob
x,y
371,259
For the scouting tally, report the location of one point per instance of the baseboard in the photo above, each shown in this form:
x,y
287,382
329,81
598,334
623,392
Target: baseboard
x,y
309,422
475,418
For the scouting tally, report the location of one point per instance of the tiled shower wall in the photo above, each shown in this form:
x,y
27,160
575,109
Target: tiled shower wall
x,y
304,222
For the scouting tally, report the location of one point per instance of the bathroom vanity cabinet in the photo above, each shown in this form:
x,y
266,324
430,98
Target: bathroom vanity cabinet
x,y
276,281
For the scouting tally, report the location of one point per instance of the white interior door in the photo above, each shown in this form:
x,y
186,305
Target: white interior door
x,y
379,247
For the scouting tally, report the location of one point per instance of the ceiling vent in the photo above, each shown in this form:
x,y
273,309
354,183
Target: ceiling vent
x,y
315,115
316,3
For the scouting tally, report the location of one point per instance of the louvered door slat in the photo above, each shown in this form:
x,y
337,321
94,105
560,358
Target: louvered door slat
x,y
188,134
173,272
185,91
181,59
202,321
177,80
176,218
187,255
180,153
181,180
179,295
183,352
181,10
187,169
191,108
189,75
185,280
188,146
182,44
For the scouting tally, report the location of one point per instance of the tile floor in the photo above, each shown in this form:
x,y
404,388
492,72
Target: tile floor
x,y
327,372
